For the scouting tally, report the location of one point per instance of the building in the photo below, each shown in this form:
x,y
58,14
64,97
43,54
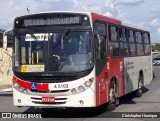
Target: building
x,y
5,61
156,42
1,37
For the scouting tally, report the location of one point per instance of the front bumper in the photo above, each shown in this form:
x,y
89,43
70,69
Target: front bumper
x,y
86,98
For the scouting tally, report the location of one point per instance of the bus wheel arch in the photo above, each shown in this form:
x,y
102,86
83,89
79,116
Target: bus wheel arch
x,y
140,84
113,95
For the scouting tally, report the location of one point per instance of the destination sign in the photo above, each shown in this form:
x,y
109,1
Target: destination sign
x,y
51,21
34,37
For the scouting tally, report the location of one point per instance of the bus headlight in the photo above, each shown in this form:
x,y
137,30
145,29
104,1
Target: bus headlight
x,y
19,88
89,82
82,87
74,91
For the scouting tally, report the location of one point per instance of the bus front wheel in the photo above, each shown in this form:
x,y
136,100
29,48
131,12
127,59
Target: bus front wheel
x,y
113,100
140,87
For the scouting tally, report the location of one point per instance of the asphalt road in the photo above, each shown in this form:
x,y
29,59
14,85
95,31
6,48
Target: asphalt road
x,y
149,102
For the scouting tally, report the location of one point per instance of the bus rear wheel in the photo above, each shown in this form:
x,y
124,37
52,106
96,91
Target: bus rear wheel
x,y
140,87
113,100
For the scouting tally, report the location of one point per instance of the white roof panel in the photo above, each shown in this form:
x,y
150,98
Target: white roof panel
x,y
134,26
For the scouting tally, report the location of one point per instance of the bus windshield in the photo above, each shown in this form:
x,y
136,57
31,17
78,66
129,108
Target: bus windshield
x,y
68,51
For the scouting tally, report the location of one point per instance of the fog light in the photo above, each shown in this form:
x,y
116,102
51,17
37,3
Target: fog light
x,y
81,88
74,91
81,102
19,101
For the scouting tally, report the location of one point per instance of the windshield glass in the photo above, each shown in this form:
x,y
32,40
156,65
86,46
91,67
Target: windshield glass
x,y
68,51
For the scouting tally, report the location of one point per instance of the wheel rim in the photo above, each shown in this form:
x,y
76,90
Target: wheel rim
x,y
140,86
112,95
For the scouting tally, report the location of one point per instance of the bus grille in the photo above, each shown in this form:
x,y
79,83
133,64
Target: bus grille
x,y
35,98
53,91
51,79
48,102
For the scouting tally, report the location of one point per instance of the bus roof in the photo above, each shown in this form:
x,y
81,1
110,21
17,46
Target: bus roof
x,y
124,23
49,12
106,18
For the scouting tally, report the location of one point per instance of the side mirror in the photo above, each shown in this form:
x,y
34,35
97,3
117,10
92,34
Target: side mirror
x,y
4,41
5,38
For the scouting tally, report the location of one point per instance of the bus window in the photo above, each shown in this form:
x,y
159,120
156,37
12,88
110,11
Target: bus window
x,y
123,49
114,44
132,49
123,42
140,48
131,36
114,48
113,33
138,37
123,35
99,29
146,38
147,49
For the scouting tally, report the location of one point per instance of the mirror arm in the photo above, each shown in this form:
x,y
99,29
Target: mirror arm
x,y
8,53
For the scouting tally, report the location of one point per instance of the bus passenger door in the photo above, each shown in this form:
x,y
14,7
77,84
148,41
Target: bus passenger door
x,y
100,53
100,72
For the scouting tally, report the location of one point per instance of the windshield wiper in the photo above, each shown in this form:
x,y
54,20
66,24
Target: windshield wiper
x,y
65,33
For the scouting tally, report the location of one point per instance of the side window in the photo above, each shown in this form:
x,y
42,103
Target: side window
x,y
131,36
132,49
123,35
147,47
140,48
146,38
138,37
132,45
113,33
123,42
114,43
100,30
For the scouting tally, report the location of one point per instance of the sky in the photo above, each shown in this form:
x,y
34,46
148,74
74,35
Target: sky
x,y
144,13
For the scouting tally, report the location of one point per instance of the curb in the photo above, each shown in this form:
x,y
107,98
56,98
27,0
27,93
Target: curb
x,y
6,90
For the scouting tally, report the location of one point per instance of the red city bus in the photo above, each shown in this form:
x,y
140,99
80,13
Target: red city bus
x,y
73,59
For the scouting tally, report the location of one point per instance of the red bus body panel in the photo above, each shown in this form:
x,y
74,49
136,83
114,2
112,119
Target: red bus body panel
x,y
104,78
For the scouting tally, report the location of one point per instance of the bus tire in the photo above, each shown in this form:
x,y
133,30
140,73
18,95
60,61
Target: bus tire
x,y
113,100
140,86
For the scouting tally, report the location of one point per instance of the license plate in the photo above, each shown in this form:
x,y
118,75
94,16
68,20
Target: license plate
x,y
48,99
